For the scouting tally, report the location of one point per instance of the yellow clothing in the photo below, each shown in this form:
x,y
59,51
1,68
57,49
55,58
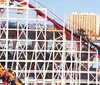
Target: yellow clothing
x,y
18,83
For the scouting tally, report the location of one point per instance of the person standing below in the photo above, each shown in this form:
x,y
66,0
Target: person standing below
x,y
8,77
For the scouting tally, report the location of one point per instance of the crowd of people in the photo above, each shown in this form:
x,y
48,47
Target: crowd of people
x,y
9,77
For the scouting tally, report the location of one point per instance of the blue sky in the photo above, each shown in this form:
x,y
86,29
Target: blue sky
x,y
63,7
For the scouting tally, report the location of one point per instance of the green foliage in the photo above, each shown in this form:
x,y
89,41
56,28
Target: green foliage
x,y
81,32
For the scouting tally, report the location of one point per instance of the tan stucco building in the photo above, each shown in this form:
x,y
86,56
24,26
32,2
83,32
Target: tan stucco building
x,y
87,21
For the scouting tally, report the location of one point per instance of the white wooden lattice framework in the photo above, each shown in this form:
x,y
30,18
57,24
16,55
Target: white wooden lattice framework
x,y
40,56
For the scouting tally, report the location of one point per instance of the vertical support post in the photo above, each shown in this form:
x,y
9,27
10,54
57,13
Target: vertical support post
x,y
88,63
80,63
63,54
7,6
26,43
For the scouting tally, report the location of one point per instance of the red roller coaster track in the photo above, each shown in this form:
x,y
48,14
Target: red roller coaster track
x,y
76,37
93,47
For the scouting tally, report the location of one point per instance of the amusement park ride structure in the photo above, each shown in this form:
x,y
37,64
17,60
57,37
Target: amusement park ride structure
x,y
54,57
